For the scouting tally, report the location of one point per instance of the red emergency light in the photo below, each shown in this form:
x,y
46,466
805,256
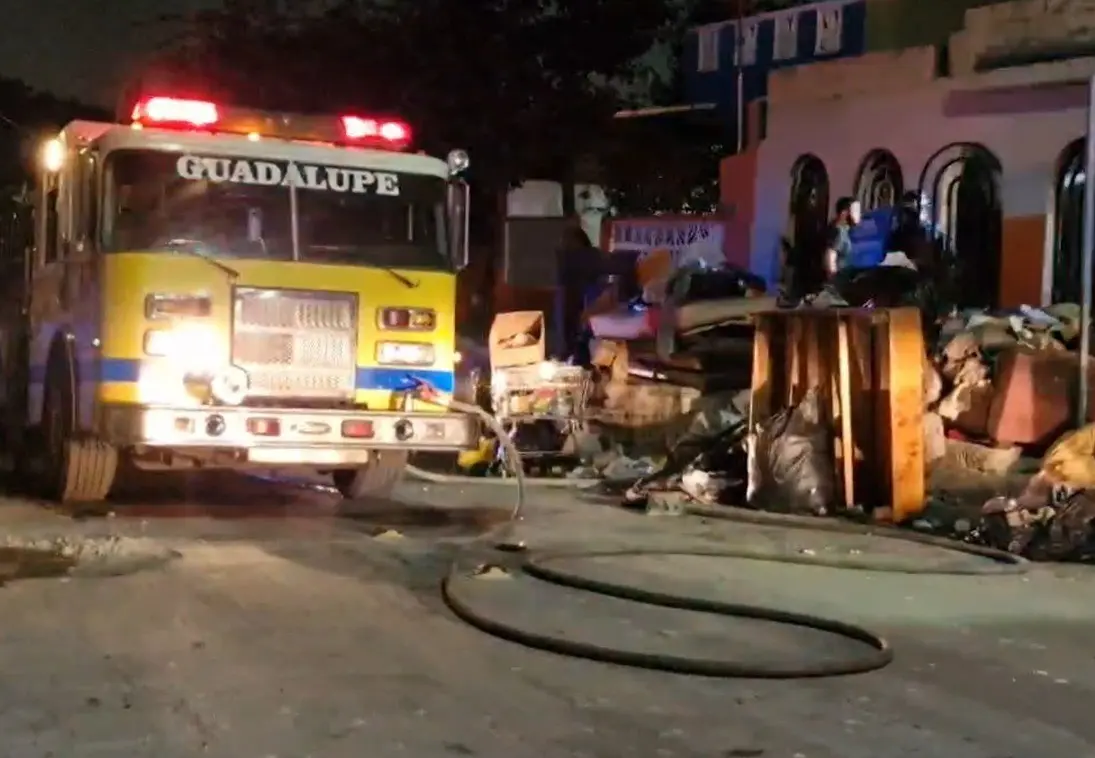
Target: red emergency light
x,y
359,129
169,111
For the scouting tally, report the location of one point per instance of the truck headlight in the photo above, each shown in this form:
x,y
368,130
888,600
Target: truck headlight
x,y
191,346
404,354
164,306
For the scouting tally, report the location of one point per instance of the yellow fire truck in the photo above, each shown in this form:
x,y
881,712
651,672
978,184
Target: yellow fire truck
x,y
216,287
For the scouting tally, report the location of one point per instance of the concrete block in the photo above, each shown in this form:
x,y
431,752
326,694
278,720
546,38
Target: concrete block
x,y
1034,395
882,72
1028,24
962,54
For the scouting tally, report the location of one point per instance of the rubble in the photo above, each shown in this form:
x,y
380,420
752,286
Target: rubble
x,y
624,469
982,459
935,438
970,428
1046,522
989,371
997,386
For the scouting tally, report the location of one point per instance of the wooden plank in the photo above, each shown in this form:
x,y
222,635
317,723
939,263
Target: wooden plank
x,y
906,413
812,333
868,368
861,347
847,439
760,390
830,350
792,360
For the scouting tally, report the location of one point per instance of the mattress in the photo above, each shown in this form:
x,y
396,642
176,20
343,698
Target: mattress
x,y
637,325
624,325
701,313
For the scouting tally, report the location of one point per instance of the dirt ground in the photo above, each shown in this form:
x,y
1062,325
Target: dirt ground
x,y
284,630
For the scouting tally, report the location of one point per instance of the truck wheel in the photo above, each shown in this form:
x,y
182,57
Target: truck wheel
x,y
76,471
377,478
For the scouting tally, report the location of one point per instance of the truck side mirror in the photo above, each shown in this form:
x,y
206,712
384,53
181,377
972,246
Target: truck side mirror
x,y
458,202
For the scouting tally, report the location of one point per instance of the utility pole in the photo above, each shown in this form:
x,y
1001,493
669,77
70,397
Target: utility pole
x,y
1087,278
739,65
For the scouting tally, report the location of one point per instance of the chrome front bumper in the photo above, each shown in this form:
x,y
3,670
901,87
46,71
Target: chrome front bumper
x,y
278,436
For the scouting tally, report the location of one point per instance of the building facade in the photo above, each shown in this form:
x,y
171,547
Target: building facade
x,y
983,118
795,36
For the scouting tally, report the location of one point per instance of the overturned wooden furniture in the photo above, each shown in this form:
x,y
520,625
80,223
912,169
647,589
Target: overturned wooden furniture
x,y
869,367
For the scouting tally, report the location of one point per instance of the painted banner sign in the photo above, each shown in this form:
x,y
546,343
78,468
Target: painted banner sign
x,y
302,175
675,234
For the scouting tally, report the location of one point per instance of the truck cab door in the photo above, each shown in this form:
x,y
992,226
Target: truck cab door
x,y
64,252
45,270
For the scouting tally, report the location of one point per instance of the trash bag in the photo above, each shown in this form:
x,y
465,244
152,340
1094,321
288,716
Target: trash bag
x,y
791,463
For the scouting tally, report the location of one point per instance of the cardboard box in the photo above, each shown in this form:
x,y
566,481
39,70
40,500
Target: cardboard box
x,y
518,338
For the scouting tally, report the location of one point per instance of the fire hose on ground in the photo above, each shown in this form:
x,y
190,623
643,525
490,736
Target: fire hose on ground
x,y
545,567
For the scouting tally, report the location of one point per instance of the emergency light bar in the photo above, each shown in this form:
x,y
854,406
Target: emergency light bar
x,y
200,115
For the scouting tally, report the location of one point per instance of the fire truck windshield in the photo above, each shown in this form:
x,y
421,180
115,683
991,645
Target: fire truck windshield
x,y
232,207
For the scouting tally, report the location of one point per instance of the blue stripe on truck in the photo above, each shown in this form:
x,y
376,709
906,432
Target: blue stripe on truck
x,y
366,377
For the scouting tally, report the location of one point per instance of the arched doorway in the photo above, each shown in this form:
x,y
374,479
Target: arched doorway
x,y
880,182
1068,224
809,216
960,197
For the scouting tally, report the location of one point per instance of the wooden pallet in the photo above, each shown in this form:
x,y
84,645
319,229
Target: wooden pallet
x,y
868,365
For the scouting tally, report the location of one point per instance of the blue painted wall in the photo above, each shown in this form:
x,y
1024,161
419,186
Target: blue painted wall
x,y
720,87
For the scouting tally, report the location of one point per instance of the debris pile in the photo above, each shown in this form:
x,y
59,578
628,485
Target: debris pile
x,y
999,390
708,463
1053,518
978,386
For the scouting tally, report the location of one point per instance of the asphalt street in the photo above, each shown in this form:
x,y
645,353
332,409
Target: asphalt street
x,y
281,627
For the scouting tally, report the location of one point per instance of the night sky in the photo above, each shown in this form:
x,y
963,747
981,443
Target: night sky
x,y
81,48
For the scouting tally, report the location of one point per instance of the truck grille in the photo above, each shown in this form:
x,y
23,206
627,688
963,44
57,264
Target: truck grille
x,y
296,344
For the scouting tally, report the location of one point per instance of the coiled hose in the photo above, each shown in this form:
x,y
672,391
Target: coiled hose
x,y
545,568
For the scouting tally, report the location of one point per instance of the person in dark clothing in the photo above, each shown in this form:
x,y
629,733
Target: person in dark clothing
x,y
911,238
581,266
839,244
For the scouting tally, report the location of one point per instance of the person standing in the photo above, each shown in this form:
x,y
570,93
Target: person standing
x,y
838,252
581,268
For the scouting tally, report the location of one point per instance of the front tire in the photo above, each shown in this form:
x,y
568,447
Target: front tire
x,y
377,478
76,470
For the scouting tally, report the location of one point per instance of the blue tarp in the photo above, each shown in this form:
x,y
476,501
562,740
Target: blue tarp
x,y
871,237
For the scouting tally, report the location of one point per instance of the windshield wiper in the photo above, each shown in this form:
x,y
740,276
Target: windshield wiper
x,y
193,247
406,282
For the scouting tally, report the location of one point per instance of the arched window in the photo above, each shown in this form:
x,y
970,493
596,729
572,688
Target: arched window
x,y
960,197
1068,224
809,197
879,182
